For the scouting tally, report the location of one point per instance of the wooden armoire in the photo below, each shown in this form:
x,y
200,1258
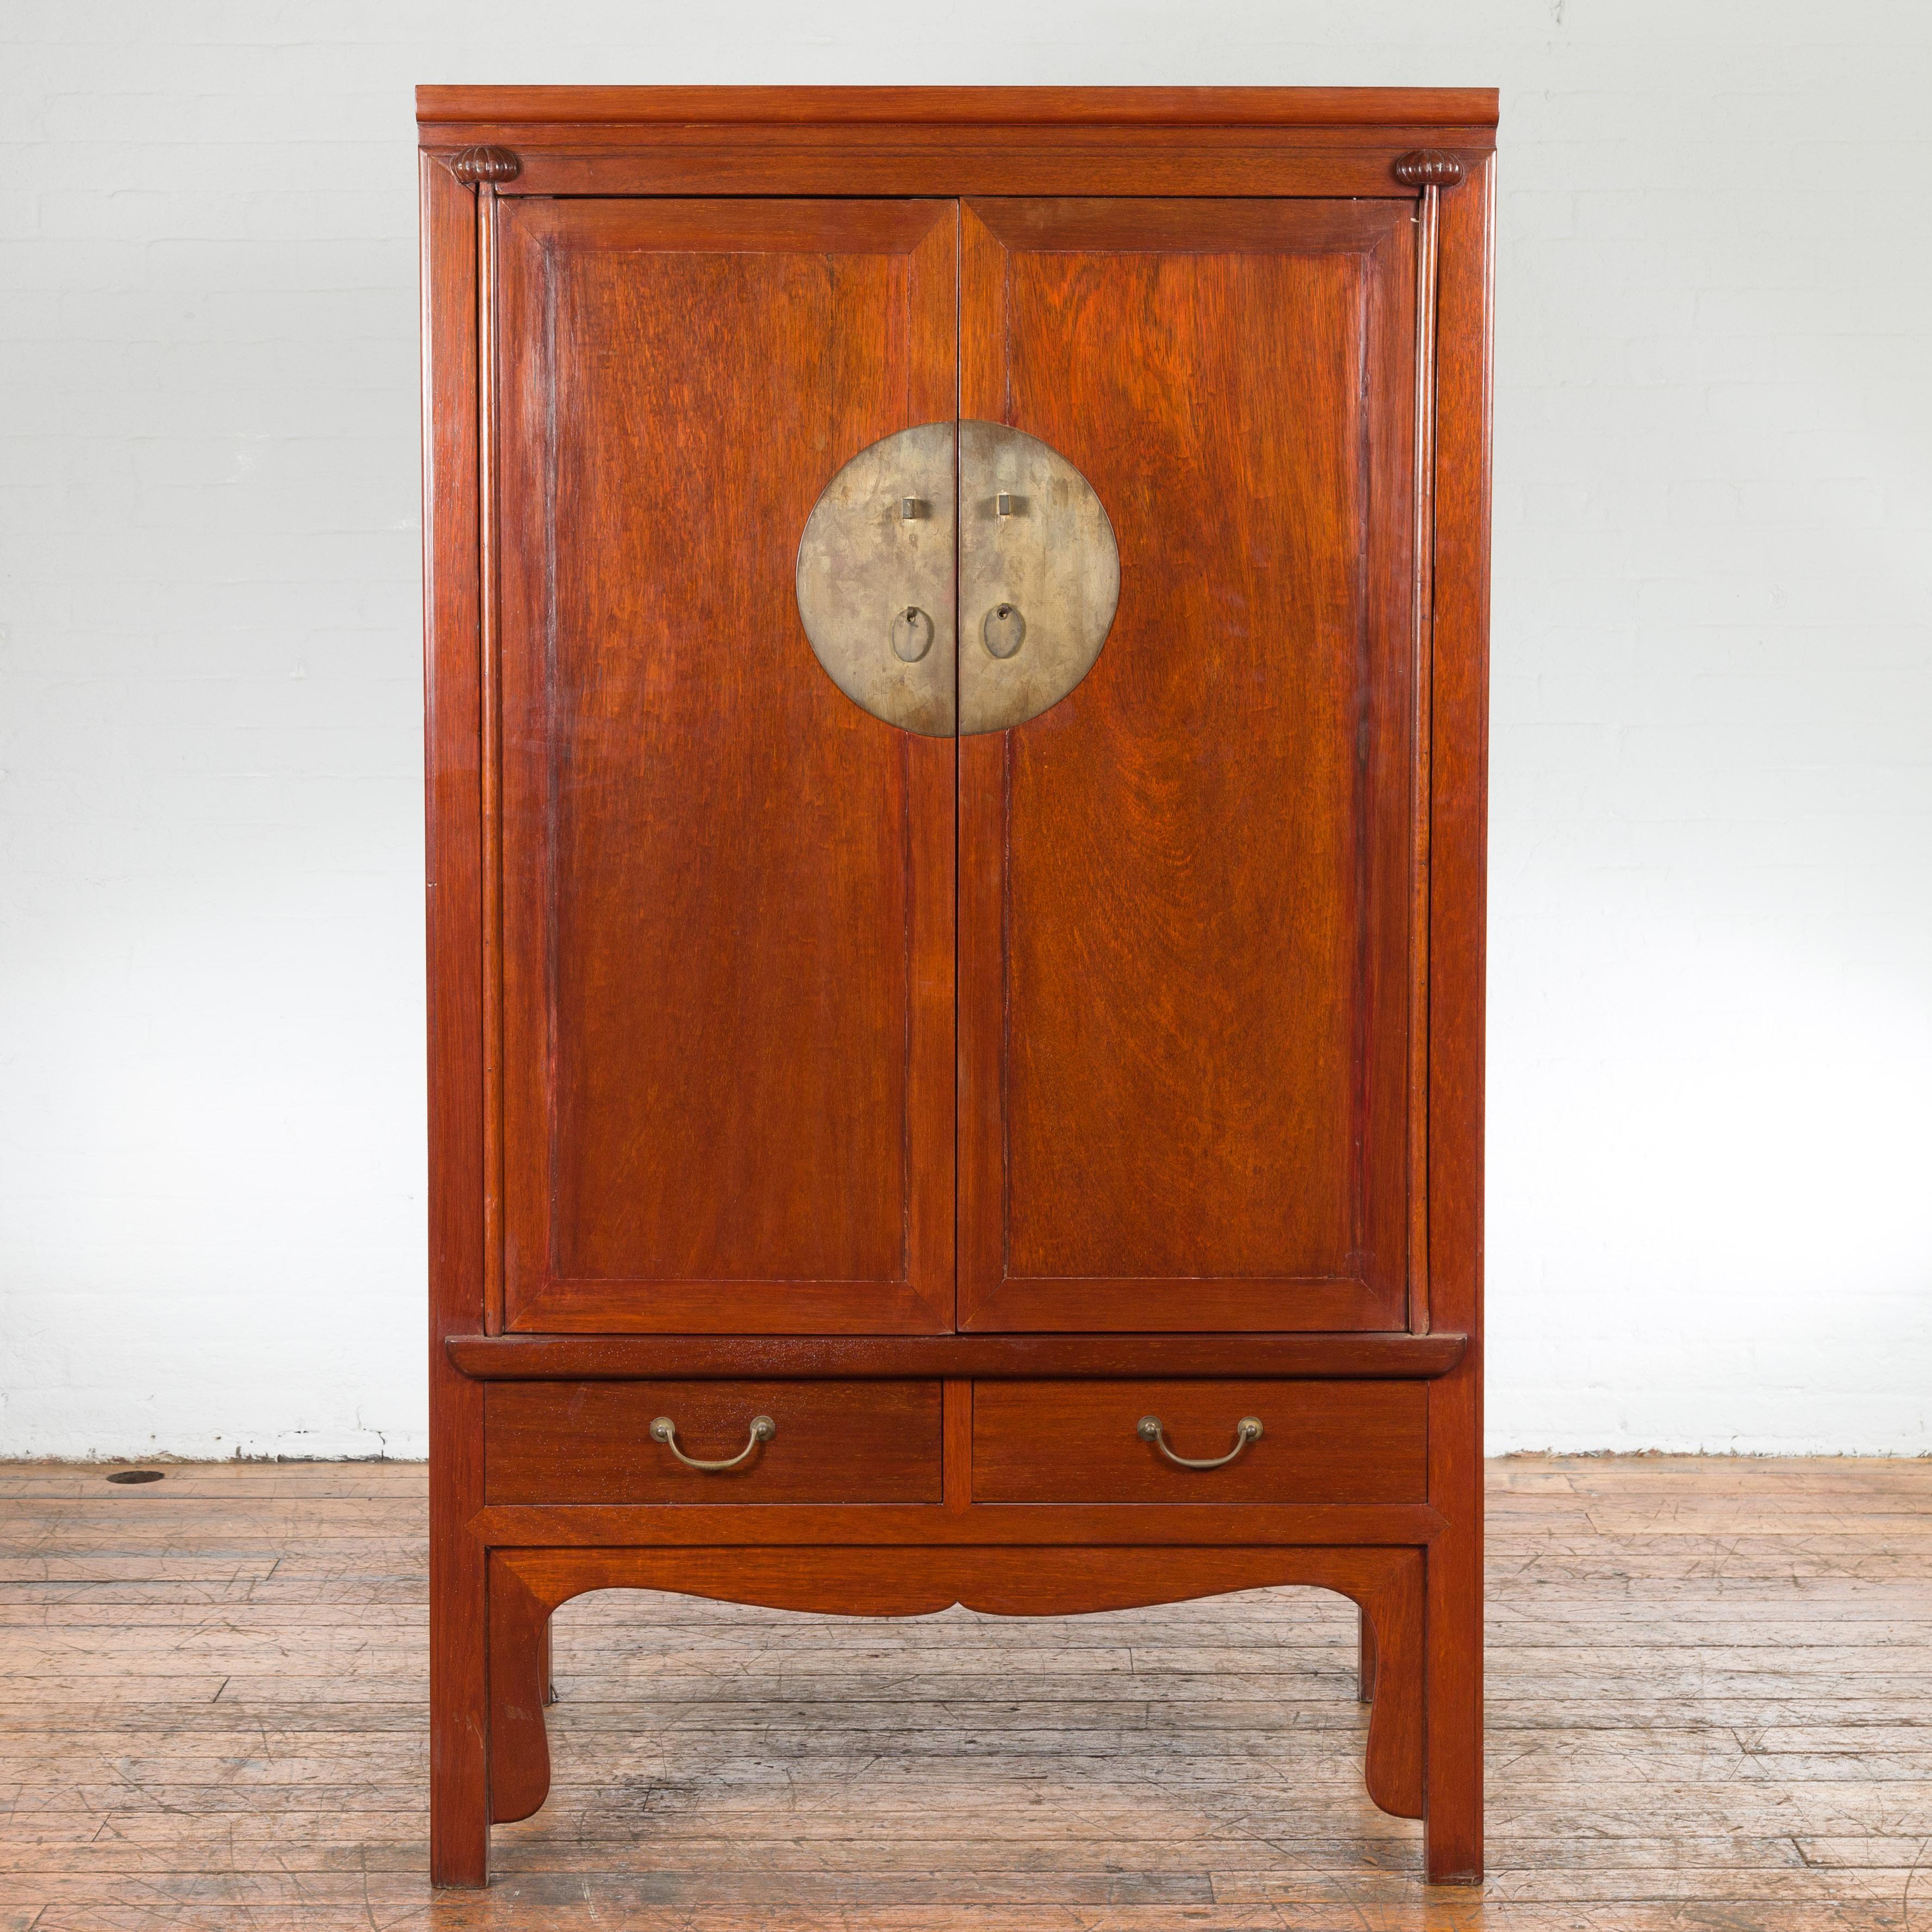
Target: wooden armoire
x,y
956,634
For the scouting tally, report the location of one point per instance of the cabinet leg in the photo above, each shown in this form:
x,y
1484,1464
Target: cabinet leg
x,y
1453,1797
459,1720
489,1682
1365,1659
519,1640
1392,1613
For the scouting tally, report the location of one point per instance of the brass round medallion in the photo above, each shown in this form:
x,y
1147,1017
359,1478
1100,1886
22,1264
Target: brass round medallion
x,y
876,557
895,549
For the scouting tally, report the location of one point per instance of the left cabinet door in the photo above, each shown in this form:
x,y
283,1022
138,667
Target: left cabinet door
x,y
726,934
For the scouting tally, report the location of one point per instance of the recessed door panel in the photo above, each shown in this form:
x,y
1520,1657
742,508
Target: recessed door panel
x,y
1186,888
727,912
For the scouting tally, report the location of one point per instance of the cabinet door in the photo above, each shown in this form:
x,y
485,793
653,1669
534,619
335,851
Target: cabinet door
x,y
726,908
1185,891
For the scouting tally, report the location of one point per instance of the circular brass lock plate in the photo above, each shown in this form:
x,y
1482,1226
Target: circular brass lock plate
x,y
1040,576
875,580
1038,570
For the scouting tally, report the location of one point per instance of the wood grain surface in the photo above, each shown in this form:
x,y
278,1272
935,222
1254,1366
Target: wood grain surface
x,y
1711,1684
980,106
1321,1442
695,932
526,1587
1184,913
727,906
1347,1357
915,140
589,1442
457,893
1458,765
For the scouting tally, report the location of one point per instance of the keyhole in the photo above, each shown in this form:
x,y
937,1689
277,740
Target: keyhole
x,y
1004,630
912,634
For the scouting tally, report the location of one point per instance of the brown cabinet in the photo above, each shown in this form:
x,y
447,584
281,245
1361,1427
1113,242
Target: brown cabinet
x,y
956,644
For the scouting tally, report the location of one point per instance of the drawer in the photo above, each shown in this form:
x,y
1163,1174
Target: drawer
x,y
1080,1442
832,1442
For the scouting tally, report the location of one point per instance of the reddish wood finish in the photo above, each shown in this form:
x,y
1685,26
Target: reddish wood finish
x,y
1184,896
956,141
728,945
452,759
962,159
1014,1527
495,165
1374,109
1323,1442
1347,1358
1458,792
526,1585
519,1680
1425,170
1217,968
589,1442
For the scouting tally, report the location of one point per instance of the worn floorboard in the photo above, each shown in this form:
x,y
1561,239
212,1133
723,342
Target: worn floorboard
x,y
1710,1709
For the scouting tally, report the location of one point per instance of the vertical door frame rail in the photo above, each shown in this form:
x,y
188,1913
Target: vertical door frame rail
x,y
497,1572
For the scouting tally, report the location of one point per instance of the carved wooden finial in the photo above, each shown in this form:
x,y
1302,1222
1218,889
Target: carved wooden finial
x,y
1425,168
472,165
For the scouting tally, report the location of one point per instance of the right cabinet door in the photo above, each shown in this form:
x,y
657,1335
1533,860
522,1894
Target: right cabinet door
x,y
1189,892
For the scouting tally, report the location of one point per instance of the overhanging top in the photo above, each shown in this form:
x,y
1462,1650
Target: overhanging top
x,y
438,107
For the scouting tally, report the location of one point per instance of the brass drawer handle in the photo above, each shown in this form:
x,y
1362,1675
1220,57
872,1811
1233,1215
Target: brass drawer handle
x,y
1248,1429
665,1431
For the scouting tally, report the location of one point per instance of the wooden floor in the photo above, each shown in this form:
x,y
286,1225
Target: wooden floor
x,y
1710,1707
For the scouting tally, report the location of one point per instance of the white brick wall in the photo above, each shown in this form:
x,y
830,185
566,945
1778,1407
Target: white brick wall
x,y
1712,888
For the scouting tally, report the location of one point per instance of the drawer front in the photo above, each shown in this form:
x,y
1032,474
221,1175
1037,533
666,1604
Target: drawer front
x,y
831,1442
1080,1442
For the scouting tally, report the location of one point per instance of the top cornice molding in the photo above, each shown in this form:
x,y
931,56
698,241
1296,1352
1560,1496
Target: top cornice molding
x,y
440,108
